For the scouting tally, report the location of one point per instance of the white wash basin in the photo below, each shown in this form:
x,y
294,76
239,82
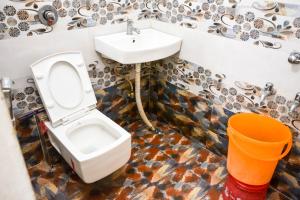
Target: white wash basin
x,y
147,46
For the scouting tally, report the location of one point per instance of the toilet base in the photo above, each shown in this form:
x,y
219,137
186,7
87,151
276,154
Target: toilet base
x,y
88,170
94,164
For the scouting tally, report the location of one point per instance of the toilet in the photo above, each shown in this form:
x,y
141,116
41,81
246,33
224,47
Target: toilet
x,y
91,143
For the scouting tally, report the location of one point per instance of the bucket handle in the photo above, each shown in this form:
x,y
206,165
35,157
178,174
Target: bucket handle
x,y
287,149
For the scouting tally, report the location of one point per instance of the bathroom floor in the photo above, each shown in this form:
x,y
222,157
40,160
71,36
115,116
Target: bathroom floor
x,y
162,166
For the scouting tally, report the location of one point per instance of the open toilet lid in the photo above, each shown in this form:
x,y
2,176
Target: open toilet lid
x,y
64,85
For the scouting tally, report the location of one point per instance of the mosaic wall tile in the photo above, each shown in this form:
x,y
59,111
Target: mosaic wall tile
x,y
183,86
215,139
231,19
192,124
237,20
20,18
238,97
25,97
103,74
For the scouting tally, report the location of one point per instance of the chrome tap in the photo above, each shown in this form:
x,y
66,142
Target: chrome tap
x,y
6,86
294,58
48,15
131,28
267,91
296,103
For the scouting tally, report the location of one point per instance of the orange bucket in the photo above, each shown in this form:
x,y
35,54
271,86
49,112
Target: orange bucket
x,y
256,143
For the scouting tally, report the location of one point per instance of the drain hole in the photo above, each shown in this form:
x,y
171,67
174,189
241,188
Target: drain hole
x,y
133,41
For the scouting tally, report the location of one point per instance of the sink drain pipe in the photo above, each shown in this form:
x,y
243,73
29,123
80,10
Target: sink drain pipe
x,y
138,96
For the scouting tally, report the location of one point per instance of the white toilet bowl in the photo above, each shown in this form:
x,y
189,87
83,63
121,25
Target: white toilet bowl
x,y
91,143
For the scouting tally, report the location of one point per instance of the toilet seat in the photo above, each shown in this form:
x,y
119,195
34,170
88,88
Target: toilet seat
x,y
91,143
64,86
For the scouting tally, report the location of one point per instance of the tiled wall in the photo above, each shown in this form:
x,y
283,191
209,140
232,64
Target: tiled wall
x,y
114,101
196,99
199,103
248,20
103,74
189,95
19,17
239,97
253,21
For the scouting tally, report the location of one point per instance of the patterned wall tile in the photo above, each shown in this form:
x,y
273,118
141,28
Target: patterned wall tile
x,y
256,23
20,17
25,97
238,97
103,73
190,96
200,104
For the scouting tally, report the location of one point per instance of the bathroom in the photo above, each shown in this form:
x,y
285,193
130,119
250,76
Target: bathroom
x,y
161,79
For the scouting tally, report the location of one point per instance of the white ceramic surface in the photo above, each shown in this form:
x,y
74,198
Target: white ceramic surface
x,y
91,143
64,85
94,146
147,46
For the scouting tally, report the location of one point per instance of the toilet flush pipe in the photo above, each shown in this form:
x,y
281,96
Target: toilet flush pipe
x,y
138,96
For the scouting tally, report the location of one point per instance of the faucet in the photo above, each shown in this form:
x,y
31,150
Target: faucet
x,y
6,86
48,15
296,103
130,28
294,57
267,91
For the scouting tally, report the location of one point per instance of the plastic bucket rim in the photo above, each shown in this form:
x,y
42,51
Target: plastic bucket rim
x,y
283,154
260,141
270,143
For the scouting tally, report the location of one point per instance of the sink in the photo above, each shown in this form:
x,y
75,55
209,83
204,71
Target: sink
x,y
147,46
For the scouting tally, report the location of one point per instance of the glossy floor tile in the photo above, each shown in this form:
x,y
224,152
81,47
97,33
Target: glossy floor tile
x,y
164,165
